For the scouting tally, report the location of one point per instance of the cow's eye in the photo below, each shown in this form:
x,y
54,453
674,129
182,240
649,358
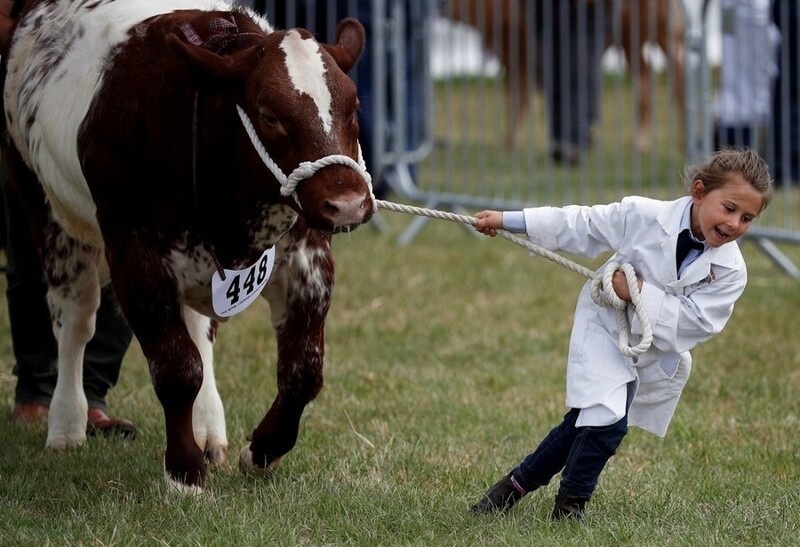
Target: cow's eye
x,y
271,120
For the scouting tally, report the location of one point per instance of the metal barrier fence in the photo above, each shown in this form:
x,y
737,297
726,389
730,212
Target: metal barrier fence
x,y
472,104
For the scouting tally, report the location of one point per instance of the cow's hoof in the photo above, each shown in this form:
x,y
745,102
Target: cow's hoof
x,y
182,489
60,442
248,466
216,456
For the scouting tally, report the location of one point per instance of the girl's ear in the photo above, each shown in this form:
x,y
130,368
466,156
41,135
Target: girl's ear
x,y
698,190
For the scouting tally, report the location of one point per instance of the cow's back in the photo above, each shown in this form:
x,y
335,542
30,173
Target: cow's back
x,y
56,65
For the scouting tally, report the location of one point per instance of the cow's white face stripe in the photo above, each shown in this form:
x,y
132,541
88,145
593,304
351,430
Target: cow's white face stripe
x,y
307,73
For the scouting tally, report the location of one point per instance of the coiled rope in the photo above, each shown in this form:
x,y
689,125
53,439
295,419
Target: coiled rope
x,y
602,290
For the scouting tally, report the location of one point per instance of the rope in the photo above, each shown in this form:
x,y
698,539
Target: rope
x,y
602,290
307,168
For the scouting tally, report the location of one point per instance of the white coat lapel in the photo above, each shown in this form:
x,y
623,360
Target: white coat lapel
x,y
670,221
695,272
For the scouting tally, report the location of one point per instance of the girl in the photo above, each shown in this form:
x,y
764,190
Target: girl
x,y
689,277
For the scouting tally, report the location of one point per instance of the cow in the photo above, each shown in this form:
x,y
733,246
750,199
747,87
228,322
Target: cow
x,y
190,154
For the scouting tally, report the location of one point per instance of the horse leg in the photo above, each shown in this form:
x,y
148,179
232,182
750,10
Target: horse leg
x,y
299,295
671,32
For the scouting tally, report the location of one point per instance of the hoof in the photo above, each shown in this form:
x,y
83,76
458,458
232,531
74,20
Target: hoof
x,y
65,443
216,456
182,489
248,466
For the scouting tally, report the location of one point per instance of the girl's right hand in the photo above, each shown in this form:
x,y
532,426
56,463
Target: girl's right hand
x,y
489,222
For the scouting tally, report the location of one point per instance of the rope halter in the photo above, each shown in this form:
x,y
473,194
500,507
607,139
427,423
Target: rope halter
x,y
306,169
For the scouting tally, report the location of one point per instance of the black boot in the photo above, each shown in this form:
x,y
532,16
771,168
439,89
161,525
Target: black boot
x,y
567,507
500,497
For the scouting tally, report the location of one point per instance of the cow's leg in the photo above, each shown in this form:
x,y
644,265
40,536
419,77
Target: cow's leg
x,y
74,296
299,295
151,302
208,414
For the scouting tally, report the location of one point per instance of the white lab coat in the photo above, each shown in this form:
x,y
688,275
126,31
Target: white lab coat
x,y
683,312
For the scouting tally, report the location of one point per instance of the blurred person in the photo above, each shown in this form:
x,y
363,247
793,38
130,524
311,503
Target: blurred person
x,y
571,36
786,97
690,274
749,44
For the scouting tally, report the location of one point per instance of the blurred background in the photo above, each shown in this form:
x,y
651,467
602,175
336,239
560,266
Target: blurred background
x,y
468,104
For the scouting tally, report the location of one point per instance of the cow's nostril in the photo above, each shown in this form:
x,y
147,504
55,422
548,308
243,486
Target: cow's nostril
x,y
331,208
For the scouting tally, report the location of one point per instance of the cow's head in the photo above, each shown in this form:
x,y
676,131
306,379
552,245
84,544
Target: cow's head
x,y
298,111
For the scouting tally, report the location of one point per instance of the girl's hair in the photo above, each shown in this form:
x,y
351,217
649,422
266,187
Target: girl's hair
x,y
743,161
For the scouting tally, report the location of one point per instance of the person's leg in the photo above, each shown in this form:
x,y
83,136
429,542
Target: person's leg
x,y
101,365
34,346
588,455
536,470
104,353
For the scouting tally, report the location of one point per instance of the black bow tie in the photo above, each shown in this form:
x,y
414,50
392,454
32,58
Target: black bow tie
x,y
685,242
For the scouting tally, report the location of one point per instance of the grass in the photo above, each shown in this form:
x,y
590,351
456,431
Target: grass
x,y
445,366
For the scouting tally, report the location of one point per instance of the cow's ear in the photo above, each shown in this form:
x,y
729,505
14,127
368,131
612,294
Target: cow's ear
x,y
350,40
219,68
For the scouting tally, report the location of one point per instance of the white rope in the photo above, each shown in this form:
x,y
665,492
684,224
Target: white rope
x,y
602,290
306,169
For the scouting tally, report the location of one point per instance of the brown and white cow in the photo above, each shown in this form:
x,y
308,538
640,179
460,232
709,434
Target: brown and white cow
x,y
158,144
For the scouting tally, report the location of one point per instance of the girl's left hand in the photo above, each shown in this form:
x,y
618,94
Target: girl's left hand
x,y
620,284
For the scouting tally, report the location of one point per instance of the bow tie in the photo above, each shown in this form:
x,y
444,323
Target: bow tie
x,y
685,243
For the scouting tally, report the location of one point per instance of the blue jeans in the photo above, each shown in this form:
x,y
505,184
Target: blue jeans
x,y
582,453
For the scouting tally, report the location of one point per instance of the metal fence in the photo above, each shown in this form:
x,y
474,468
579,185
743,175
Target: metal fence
x,y
508,103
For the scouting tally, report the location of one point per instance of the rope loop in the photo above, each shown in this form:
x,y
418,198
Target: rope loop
x,y
602,289
603,294
306,169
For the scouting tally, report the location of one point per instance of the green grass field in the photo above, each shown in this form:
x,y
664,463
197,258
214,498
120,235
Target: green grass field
x,y
445,366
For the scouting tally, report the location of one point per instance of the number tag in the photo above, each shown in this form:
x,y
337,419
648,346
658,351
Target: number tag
x,y
240,288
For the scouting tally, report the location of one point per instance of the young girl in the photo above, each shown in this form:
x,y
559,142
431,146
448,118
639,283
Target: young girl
x,y
689,276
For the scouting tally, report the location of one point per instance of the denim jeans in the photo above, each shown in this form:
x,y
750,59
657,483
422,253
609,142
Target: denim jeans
x,y
582,453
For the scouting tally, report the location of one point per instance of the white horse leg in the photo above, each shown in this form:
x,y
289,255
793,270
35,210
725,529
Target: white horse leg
x,y
208,414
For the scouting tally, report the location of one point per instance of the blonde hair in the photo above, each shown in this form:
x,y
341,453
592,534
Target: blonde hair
x,y
742,161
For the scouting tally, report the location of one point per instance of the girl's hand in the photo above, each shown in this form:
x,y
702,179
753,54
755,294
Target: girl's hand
x,y
620,284
489,222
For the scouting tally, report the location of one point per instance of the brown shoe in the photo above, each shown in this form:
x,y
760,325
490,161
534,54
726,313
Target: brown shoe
x,y
568,508
500,497
29,414
100,424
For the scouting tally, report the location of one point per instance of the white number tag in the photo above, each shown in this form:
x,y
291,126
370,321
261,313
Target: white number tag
x,y
240,288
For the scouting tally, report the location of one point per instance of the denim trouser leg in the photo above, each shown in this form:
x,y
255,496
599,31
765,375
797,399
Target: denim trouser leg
x,y
582,452
591,450
539,467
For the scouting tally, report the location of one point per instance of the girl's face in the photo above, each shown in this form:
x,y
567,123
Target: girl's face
x,y
724,214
